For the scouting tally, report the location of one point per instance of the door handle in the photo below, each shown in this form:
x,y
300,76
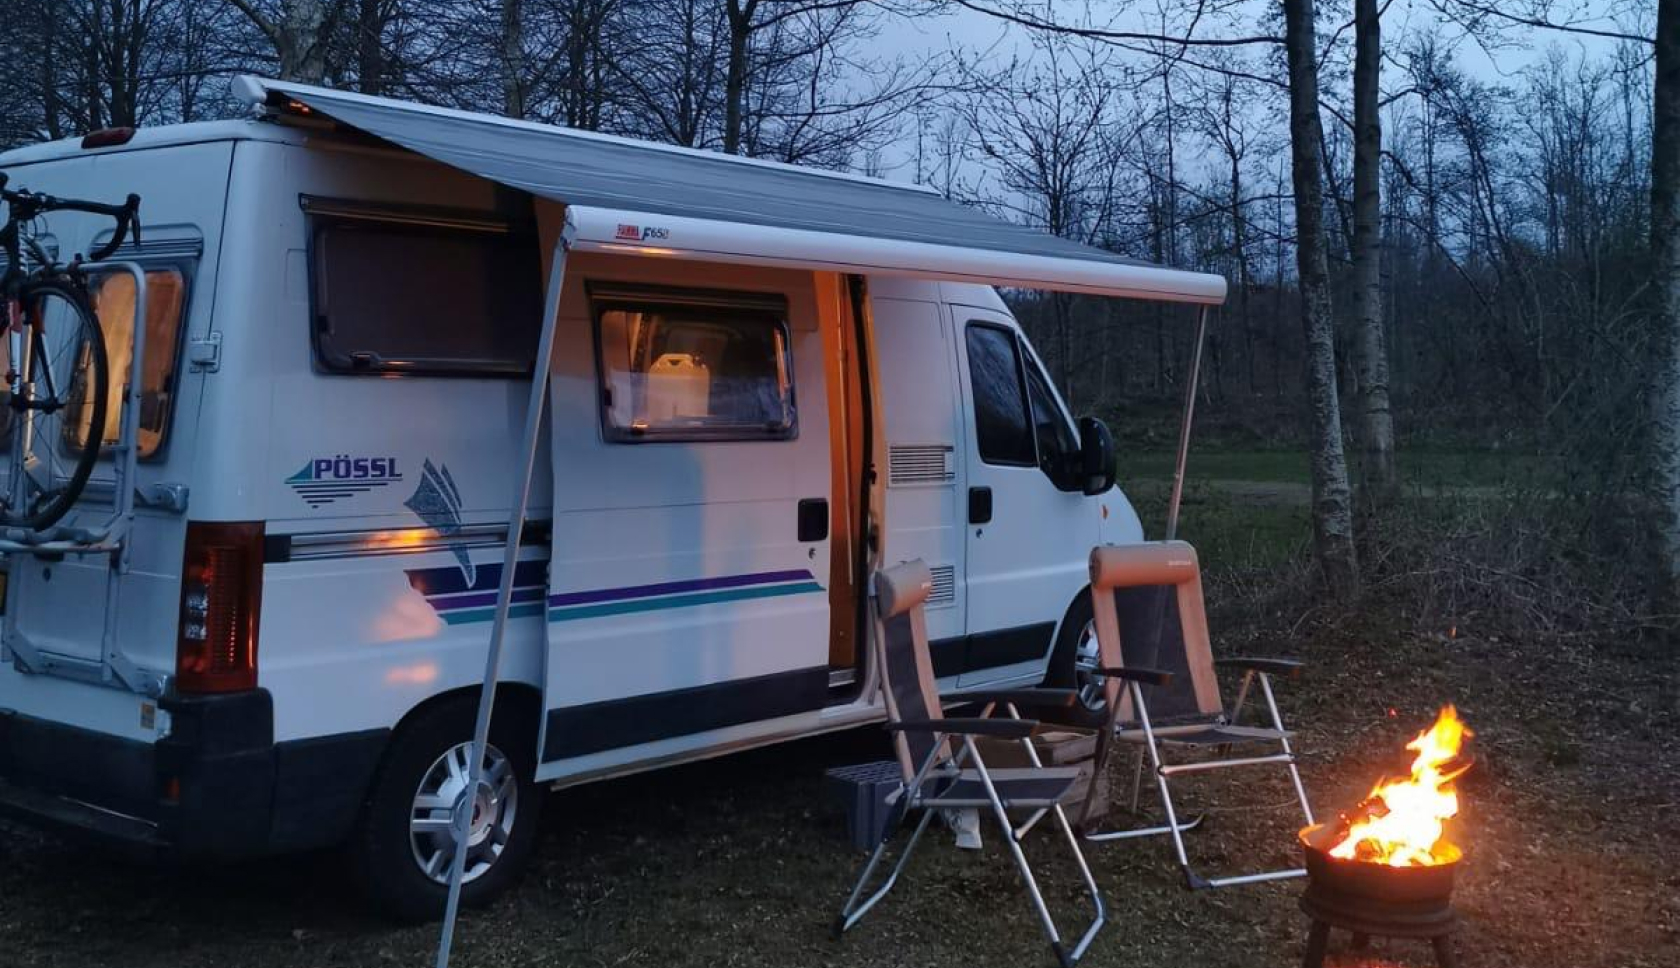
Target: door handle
x,y
979,505
813,519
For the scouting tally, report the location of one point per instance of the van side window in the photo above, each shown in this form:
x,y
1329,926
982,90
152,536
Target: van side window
x,y
393,297
113,302
1001,424
705,370
1056,441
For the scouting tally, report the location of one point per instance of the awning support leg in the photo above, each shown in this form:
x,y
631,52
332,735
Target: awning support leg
x,y
1190,387
462,814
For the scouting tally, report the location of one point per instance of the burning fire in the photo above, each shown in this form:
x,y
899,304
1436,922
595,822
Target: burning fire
x,y
1401,823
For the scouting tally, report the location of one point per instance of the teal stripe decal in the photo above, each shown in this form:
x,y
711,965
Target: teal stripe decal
x,y
465,616
681,601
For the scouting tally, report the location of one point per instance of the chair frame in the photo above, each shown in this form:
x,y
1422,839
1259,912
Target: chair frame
x,y
1174,563
943,764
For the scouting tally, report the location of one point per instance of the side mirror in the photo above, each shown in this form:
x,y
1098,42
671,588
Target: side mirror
x,y
1096,456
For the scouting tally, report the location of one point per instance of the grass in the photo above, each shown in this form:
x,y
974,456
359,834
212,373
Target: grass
x,y
1430,466
1235,529
743,862
1568,815
1275,466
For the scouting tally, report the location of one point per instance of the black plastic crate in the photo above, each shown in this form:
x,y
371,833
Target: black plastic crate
x,y
862,790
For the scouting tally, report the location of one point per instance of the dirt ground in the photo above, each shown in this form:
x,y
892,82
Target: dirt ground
x,y
1570,823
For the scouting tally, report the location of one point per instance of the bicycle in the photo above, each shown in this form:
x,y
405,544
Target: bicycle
x,y
57,379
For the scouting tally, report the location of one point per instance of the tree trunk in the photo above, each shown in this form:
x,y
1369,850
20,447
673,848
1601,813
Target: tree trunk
x,y
370,51
1063,305
735,78
1239,251
1332,502
301,41
48,73
1665,281
513,59
1377,470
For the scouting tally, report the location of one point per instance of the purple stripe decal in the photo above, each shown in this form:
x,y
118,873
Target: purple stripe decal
x,y
529,593
669,587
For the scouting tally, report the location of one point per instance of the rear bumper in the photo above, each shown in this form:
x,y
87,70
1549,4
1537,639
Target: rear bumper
x,y
218,787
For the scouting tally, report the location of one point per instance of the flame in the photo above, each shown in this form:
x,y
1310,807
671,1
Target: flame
x,y
1403,819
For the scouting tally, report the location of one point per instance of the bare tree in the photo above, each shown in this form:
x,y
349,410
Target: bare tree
x,y
513,58
1226,118
1049,134
300,32
1332,500
744,20
1665,281
1377,469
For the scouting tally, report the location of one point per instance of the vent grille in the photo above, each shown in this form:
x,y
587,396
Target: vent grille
x,y
944,586
919,464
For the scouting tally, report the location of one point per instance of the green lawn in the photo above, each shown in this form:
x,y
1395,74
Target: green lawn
x,y
1248,508
1429,466
1223,465
1233,530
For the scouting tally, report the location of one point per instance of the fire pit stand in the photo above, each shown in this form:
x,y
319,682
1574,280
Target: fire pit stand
x,y
1375,900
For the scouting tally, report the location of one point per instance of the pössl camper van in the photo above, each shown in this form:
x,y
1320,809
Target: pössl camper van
x,y
331,503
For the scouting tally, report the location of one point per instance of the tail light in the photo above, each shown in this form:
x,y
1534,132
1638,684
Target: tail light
x,y
221,594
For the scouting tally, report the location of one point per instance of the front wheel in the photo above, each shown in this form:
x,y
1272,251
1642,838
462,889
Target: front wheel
x,y
404,846
57,387
1076,658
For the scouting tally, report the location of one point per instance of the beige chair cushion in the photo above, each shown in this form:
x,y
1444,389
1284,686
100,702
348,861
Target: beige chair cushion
x,y
902,587
1153,563
1156,563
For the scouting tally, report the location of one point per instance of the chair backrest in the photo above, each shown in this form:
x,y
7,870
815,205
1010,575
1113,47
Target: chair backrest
x,y
1147,602
901,653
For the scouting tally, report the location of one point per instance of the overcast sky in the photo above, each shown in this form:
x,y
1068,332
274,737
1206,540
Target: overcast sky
x,y
914,38
973,30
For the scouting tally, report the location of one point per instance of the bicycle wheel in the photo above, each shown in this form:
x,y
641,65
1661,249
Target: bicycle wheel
x,y
57,378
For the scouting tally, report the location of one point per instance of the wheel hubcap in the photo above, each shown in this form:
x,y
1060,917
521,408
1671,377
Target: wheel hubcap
x,y
1087,659
442,791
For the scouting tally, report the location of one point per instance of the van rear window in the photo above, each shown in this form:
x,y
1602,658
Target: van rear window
x,y
393,297
112,295
113,302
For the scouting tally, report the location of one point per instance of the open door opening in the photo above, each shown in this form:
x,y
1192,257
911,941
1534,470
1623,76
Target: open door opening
x,y
849,442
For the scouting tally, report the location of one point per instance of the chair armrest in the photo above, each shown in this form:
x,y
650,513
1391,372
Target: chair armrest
x,y
1288,668
1020,697
1002,728
1151,677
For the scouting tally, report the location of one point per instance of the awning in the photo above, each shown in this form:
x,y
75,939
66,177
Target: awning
x,y
660,200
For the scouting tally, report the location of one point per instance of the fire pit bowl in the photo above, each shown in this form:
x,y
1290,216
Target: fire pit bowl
x,y
1376,899
1377,884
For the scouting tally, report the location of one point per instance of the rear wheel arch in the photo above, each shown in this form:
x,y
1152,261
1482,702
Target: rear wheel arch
x,y
519,700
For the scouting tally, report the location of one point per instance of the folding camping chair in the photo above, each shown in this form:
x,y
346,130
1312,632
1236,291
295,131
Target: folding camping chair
x,y
942,765
1149,598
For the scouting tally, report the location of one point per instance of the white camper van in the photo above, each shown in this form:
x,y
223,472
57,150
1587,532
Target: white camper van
x,y
343,303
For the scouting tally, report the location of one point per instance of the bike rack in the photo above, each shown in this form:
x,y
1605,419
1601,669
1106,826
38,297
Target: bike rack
x,y
110,538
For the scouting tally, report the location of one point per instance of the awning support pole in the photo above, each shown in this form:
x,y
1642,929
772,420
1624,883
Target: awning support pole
x,y
1190,388
461,816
